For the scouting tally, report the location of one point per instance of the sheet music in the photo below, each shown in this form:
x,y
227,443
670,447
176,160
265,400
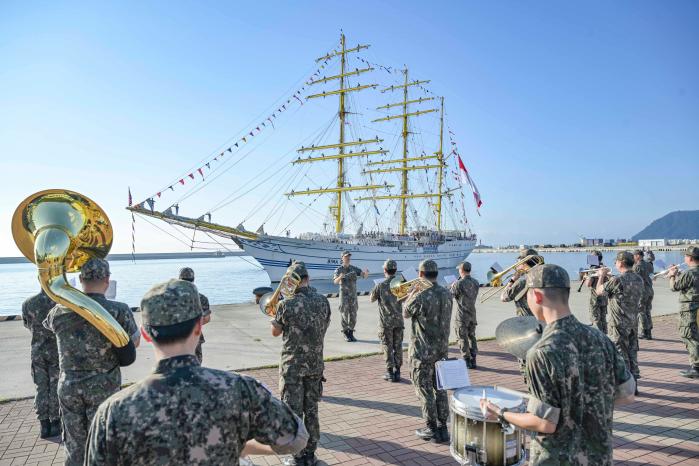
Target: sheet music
x,y
452,374
592,259
378,281
449,279
497,267
409,274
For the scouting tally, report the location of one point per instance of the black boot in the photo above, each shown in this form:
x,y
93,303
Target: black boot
x,y
442,435
45,428
351,336
473,362
388,376
396,375
691,373
310,459
346,333
427,433
649,335
56,428
635,393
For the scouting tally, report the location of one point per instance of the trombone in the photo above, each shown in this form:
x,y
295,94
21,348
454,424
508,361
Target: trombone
x,y
286,288
496,279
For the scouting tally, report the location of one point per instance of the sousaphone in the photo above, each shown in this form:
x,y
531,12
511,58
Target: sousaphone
x,y
59,231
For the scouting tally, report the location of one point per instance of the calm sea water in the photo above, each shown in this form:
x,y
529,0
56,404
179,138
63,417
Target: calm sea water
x,y
230,280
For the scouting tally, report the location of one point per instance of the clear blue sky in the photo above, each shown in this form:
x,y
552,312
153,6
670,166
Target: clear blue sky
x,y
573,117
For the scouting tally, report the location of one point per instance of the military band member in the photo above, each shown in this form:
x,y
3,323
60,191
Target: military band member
x,y
430,314
644,270
346,276
598,303
44,363
514,288
302,320
465,291
89,362
625,292
390,322
575,375
184,413
687,284
187,274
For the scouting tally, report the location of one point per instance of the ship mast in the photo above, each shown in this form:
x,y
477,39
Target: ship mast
x,y
440,156
341,186
404,168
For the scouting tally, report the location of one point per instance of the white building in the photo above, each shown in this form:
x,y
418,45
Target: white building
x,y
651,243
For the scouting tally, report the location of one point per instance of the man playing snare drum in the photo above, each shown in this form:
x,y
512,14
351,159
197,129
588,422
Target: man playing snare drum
x,y
575,377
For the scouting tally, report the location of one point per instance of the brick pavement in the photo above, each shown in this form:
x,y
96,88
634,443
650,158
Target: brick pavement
x,y
368,421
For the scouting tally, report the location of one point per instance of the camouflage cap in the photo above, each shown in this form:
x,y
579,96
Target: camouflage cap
x,y
625,256
95,269
299,268
597,253
650,256
390,264
428,265
693,252
638,252
527,252
345,253
187,273
466,266
548,276
169,303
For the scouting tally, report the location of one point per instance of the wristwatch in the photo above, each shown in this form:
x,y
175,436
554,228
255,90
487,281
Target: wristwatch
x,y
501,415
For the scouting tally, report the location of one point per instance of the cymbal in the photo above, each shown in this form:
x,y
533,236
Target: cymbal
x,y
517,334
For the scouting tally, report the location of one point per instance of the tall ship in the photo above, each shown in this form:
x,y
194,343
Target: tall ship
x,y
399,194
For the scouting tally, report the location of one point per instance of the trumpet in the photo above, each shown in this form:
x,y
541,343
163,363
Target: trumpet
x,y
595,270
666,271
286,288
496,279
402,289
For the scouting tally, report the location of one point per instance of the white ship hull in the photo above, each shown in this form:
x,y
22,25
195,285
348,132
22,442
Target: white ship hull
x,y
275,253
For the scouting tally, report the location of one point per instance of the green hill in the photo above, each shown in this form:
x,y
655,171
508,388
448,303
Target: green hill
x,y
683,224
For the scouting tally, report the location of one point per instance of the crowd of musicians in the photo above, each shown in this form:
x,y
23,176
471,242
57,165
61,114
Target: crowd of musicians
x,y
185,413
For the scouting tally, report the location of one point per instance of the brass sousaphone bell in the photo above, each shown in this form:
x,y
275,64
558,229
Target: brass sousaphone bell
x,y
59,231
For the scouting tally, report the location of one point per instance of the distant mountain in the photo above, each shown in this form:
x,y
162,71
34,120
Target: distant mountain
x,y
683,224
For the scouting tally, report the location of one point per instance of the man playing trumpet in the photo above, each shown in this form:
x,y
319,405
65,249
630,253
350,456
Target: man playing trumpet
x,y
687,284
598,302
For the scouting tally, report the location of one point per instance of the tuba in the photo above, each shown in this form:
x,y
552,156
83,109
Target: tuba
x,y
60,230
286,288
402,289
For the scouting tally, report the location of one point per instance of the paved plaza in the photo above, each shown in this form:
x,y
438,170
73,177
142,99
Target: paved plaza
x,y
366,420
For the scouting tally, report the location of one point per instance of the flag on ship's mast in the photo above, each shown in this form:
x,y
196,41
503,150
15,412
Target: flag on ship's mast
x,y
466,178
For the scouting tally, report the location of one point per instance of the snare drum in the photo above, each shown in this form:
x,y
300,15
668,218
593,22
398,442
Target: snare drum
x,y
476,441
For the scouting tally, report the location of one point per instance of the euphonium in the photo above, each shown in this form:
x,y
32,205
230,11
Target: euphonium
x,y
401,289
60,230
287,287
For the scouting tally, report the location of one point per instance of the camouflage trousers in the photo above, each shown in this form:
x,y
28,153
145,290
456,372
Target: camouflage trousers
x,y
45,375
434,403
689,334
302,394
626,341
197,351
348,313
392,345
466,334
79,400
644,318
598,317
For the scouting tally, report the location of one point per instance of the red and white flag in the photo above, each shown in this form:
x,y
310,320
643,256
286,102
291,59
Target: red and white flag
x,y
466,178
130,198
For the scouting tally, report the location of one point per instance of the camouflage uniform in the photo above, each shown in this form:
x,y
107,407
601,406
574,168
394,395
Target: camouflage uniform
x,y
390,321
598,307
430,314
186,273
625,292
219,410
510,294
89,366
575,373
687,284
303,319
44,356
645,270
348,295
465,290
